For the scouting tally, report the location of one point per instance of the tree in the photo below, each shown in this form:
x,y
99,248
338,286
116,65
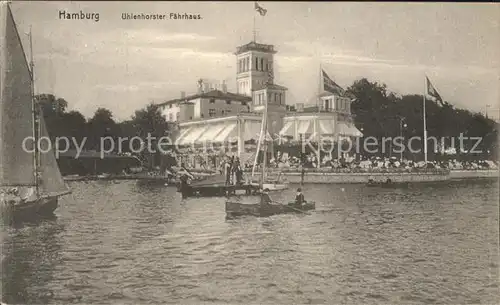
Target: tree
x,y
378,112
101,125
150,121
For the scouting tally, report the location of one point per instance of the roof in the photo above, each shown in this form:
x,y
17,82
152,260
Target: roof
x,y
217,94
271,86
254,46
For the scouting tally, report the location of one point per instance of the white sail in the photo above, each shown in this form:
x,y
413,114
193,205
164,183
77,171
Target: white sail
x,y
51,180
16,116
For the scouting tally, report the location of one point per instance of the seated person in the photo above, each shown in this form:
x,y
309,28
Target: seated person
x,y
264,198
299,198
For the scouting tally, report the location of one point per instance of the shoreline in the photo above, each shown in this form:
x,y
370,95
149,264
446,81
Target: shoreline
x,y
331,177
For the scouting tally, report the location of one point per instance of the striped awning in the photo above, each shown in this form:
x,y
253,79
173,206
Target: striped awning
x,y
287,130
210,133
349,130
192,136
229,133
183,134
305,127
326,127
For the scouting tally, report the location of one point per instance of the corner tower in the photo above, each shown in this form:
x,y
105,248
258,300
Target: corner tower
x,y
254,62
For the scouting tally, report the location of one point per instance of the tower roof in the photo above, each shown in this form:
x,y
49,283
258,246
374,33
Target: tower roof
x,y
254,46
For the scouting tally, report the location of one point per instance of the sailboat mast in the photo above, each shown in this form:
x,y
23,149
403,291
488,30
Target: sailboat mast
x,y
425,122
36,124
264,135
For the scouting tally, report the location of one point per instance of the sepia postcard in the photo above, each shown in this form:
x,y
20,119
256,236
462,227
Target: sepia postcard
x,y
249,152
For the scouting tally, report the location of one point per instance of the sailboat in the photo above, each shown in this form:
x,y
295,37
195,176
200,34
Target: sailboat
x,y
235,208
265,181
30,180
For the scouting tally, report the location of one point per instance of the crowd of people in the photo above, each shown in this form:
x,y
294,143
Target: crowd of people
x,y
232,167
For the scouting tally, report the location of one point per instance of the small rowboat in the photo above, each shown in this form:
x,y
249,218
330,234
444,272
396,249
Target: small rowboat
x,y
238,209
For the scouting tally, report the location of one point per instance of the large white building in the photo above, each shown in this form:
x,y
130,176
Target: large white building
x,y
217,116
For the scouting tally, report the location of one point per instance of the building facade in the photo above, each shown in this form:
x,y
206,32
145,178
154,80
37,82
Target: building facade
x,y
216,116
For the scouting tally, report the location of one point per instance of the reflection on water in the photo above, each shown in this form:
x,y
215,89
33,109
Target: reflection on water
x,y
124,243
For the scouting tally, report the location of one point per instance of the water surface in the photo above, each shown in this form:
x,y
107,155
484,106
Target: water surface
x,y
123,243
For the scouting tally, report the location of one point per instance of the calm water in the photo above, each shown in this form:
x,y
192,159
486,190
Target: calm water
x,y
122,243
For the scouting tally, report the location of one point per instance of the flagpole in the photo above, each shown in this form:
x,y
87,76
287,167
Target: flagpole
x,y
318,103
425,122
254,30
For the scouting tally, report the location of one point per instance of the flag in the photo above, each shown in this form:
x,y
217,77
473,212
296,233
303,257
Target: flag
x,y
330,86
432,91
262,11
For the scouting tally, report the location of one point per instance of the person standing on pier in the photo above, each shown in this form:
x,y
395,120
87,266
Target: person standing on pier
x,y
227,171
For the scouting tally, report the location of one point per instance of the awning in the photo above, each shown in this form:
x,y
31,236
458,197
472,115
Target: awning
x,y
210,133
251,130
326,127
342,129
348,130
183,134
287,130
355,132
192,136
304,127
229,132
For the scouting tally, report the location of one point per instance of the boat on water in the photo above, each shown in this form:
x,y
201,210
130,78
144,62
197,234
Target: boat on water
x,y
238,209
30,180
235,208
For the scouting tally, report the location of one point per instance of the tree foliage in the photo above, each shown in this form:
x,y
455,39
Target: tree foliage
x,y
377,112
380,113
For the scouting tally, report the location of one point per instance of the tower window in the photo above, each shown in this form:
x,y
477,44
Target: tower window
x,y
212,101
257,63
262,63
228,102
248,63
211,112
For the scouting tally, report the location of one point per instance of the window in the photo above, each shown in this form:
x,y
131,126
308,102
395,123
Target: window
x,y
262,63
267,66
170,117
239,66
257,63
170,106
222,112
279,98
243,103
275,97
228,102
211,112
177,116
212,101
248,63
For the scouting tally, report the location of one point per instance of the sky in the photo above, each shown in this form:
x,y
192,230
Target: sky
x,y
123,65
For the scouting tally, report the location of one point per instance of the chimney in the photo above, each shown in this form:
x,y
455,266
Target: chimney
x,y
183,94
224,87
300,107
